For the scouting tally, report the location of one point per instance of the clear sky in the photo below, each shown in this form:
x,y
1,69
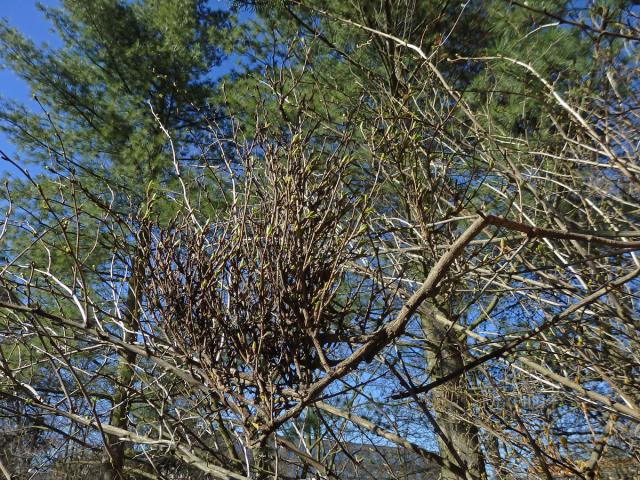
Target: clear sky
x,y
24,16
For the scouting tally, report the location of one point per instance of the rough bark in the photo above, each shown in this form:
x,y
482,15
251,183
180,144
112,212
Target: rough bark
x,y
113,460
459,440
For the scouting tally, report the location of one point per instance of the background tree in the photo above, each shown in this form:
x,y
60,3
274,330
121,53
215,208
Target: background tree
x,y
124,71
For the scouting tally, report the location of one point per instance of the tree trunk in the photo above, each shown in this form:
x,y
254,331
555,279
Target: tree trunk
x,y
114,456
459,440
261,462
113,459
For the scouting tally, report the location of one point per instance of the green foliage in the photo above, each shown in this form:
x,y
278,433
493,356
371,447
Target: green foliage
x,y
126,76
118,61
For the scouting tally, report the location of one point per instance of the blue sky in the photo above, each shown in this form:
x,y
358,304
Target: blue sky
x,y
24,16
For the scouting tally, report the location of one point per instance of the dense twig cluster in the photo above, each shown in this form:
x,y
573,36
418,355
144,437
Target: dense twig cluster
x,y
399,269
254,295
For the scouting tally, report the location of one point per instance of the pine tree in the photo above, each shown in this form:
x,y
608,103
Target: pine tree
x,y
127,75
